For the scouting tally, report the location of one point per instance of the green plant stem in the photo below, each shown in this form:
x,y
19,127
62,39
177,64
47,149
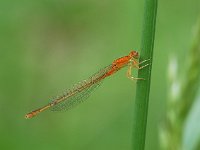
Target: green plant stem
x,y
143,86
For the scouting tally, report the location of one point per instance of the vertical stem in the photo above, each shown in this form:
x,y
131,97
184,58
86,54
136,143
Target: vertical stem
x,y
143,86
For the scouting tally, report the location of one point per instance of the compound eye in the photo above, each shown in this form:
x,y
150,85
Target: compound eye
x,y
136,54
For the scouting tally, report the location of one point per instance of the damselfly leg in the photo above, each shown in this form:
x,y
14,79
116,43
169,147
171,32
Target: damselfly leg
x,y
135,64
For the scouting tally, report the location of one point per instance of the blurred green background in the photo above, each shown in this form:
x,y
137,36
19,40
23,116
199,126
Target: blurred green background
x,y
48,45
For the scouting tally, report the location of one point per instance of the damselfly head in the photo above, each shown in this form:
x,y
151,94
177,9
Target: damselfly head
x,y
134,54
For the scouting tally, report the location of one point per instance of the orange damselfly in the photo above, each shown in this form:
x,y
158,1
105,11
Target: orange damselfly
x,y
78,93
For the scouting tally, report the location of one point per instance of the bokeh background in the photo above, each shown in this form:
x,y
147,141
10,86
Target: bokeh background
x,y
47,46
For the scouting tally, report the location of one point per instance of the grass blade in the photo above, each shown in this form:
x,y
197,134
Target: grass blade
x,y
143,87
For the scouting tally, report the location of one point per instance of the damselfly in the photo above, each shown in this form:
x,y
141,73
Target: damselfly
x,y
81,91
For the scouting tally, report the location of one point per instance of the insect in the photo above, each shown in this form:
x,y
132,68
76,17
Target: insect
x,y
79,92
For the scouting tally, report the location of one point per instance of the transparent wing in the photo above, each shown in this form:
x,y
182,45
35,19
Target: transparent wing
x,y
79,92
